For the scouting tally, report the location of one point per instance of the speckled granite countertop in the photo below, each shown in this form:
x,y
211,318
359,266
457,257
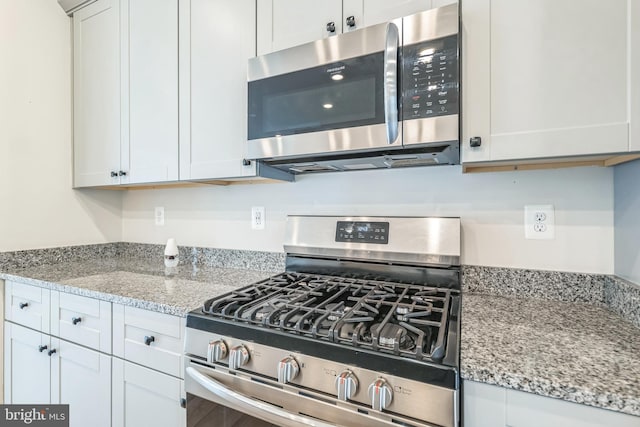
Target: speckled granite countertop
x,y
141,284
572,351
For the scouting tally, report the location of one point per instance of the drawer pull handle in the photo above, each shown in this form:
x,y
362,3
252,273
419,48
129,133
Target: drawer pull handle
x,y
149,339
42,348
23,305
76,320
50,352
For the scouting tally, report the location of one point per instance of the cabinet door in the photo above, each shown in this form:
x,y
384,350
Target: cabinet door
x,y
26,368
286,23
81,378
213,87
144,397
150,77
371,12
96,107
558,81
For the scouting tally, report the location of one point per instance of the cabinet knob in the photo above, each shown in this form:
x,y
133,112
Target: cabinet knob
x,y
42,348
246,162
331,27
23,305
50,352
183,403
351,22
114,174
475,141
122,173
149,339
76,320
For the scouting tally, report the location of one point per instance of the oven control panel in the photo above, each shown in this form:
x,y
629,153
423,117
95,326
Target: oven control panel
x,y
362,232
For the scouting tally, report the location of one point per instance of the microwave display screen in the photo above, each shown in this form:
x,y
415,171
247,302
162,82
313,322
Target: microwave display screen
x,y
348,93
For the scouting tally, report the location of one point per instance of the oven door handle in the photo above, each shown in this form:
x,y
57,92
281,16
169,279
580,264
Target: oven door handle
x,y
391,82
251,406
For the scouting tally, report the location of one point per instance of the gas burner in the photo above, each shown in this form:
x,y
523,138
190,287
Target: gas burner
x,y
392,336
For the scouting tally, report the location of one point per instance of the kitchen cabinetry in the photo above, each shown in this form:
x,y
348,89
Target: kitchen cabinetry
x,y
144,396
491,406
544,79
213,87
126,92
41,368
286,23
96,104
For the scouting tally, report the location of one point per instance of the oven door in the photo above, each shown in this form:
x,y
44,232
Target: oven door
x,y
219,398
327,97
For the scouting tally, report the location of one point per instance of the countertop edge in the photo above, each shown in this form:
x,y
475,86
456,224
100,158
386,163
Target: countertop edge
x,y
118,299
604,400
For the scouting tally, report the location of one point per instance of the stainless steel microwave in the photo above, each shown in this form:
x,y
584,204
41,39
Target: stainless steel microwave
x,y
381,97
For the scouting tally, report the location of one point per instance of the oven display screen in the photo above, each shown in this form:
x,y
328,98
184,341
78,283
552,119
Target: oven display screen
x,y
362,232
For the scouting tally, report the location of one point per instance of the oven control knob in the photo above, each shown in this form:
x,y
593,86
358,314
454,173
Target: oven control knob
x,y
380,394
347,385
239,356
288,369
216,351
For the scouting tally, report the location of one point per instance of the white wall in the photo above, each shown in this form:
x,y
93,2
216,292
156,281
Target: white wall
x,y
627,221
490,205
38,208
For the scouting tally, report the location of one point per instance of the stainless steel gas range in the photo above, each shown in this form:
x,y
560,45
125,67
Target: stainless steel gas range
x,y
362,329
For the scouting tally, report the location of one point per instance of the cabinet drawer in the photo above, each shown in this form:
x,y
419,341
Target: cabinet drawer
x,y
82,320
27,305
148,338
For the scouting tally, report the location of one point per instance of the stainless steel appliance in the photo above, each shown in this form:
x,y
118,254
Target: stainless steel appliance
x,y
380,97
362,329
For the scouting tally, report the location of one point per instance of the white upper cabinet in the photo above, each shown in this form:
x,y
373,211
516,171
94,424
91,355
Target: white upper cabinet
x,y
96,33
286,23
126,92
217,37
546,78
150,78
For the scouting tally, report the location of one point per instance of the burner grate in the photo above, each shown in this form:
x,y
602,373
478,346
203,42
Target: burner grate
x,y
403,319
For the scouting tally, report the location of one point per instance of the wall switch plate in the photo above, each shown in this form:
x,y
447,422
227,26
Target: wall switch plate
x,y
159,215
539,222
257,218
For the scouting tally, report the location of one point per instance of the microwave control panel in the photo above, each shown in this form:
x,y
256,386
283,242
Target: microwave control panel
x,y
362,232
430,80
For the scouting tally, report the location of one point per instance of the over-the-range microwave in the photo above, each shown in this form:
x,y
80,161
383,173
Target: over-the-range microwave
x,y
380,97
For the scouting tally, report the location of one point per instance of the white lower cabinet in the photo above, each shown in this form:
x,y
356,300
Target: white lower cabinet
x,y
40,369
144,397
492,406
27,370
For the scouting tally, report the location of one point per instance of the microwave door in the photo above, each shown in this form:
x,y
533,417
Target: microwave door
x,y
328,97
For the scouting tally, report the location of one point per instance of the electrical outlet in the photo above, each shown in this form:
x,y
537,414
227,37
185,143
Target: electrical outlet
x,y
539,222
159,215
257,218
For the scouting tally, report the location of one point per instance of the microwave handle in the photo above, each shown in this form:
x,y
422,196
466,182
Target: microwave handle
x,y
391,82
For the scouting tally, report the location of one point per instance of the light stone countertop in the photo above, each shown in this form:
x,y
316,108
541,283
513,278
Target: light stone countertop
x,y
573,351
141,284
